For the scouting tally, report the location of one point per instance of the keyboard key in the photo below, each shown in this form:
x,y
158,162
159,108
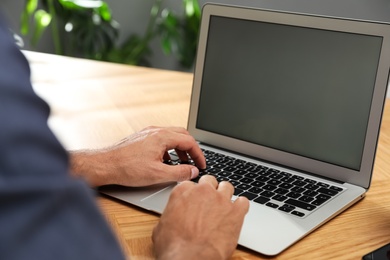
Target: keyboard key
x,y
297,213
219,179
299,183
234,183
240,166
312,187
274,182
336,188
230,169
244,186
279,197
310,193
262,178
323,197
310,181
235,177
286,208
251,175
276,176
224,174
214,170
286,186
323,184
246,180
306,199
269,187
285,174
261,200
293,194
318,202
261,167
249,195
300,204
253,170
327,191
298,189
273,170
281,191
265,173
267,194
287,179
255,190
222,159
257,183
272,205
240,172
238,192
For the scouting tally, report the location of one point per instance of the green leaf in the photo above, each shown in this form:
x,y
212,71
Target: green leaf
x,y
105,12
29,9
24,23
42,21
191,8
166,45
31,6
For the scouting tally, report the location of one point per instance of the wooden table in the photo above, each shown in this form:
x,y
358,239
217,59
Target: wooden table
x,y
95,104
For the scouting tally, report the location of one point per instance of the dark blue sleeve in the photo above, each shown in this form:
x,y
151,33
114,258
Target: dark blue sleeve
x,y
44,213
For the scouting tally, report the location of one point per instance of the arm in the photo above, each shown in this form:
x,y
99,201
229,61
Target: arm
x,y
138,159
44,213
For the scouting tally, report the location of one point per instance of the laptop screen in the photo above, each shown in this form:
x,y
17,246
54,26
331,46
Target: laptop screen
x,y
299,90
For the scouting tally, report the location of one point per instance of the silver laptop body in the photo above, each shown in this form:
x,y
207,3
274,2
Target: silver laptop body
x,y
299,93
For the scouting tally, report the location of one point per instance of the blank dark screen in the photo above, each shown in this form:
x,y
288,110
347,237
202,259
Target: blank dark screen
x,y
300,90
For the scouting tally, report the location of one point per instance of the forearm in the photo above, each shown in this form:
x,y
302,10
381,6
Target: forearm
x,y
91,166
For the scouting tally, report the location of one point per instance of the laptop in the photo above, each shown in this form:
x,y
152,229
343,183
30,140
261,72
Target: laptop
x,y
287,107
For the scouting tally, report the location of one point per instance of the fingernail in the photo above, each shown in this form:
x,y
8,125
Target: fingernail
x,y
194,172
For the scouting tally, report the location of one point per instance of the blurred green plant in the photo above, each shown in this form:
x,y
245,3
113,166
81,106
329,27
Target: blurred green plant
x,y
86,28
79,27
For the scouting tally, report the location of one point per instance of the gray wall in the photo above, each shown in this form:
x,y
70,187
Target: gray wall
x,y
133,16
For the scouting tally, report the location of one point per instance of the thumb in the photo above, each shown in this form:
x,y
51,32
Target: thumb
x,y
181,172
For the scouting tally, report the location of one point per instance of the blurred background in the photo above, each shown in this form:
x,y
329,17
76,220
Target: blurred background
x,y
155,33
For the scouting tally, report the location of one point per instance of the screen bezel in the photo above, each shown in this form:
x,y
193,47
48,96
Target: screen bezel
x,y
360,177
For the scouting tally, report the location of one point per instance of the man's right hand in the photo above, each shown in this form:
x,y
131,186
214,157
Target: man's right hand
x,y
200,221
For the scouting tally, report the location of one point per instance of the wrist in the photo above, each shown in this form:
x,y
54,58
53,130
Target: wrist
x,y
191,252
90,166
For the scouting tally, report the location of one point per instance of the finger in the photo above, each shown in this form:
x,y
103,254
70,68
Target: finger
x,y
242,205
182,187
178,173
185,143
183,156
226,188
210,180
197,156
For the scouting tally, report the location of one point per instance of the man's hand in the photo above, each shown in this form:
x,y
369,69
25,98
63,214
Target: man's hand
x,y
138,159
200,221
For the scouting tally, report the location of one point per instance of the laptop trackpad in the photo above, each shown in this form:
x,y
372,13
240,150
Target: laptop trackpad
x,y
157,201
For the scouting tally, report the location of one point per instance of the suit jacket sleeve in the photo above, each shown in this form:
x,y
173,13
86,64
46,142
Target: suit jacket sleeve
x,y
44,213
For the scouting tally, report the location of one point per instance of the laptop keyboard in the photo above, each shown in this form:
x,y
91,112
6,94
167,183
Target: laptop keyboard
x,y
283,191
